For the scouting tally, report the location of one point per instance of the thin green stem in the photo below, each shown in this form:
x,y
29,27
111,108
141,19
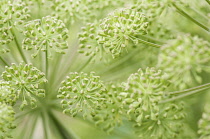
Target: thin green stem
x,y
207,85
3,61
44,119
46,63
208,1
85,64
149,43
190,18
18,46
62,130
187,92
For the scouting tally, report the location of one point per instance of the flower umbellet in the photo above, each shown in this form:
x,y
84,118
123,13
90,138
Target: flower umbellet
x,y
24,80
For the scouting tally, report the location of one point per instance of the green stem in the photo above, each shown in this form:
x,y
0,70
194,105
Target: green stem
x,y
149,43
85,64
187,92
207,85
62,130
208,1
190,18
47,63
44,119
3,61
18,46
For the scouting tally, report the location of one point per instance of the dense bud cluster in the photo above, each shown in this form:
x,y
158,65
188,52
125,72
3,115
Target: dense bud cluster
x,y
121,29
45,34
6,94
88,40
12,14
204,123
82,92
112,115
167,123
144,90
24,81
6,120
185,57
84,10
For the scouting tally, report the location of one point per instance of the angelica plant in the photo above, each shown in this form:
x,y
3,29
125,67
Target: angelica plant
x,y
81,69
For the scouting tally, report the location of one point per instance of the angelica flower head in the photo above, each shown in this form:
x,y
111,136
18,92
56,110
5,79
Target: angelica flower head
x,y
6,120
184,57
12,14
204,123
112,115
46,34
166,123
143,91
121,29
71,11
24,81
82,93
6,94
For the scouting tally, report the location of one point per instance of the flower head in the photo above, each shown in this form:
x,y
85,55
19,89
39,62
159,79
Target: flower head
x,y
6,94
82,92
12,14
166,123
6,120
143,91
184,57
121,29
112,115
83,10
24,81
204,123
45,34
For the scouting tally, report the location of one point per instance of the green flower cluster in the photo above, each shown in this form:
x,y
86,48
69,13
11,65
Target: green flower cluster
x,y
45,34
204,122
24,81
185,57
114,34
82,93
83,10
144,91
6,120
6,94
13,13
167,123
113,112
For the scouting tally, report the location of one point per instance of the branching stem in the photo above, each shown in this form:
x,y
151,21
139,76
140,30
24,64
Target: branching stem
x,y
190,18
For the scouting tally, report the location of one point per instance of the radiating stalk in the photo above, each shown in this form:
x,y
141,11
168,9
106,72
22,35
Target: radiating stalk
x,y
190,18
208,1
186,92
18,46
61,129
3,61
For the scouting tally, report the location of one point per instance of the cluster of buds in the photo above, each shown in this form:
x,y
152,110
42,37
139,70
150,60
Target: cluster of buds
x,y
45,34
184,57
166,123
144,90
113,112
71,11
82,93
24,81
13,13
7,117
